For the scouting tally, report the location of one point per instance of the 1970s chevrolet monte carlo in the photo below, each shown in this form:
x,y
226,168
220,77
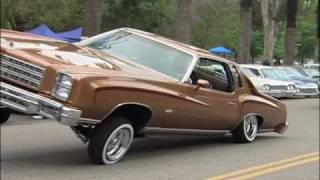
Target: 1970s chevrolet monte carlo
x,y
123,83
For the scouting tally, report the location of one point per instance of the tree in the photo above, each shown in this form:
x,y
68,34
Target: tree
x,y
316,49
93,17
61,15
245,30
5,21
269,9
305,30
290,41
217,24
153,15
183,20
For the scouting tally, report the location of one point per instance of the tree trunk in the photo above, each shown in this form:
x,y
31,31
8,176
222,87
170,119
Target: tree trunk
x,y
94,12
268,41
245,30
290,39
183,20
316,49
269,10
290,46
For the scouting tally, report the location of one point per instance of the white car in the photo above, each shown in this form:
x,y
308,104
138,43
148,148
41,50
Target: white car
x,y
274,88
302,88
312,66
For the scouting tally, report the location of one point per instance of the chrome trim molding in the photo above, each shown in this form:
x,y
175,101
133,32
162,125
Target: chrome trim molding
x,y
30,103
127,103
156,130
265,130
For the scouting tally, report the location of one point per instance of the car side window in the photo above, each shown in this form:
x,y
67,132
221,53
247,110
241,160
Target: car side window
x,y
216,73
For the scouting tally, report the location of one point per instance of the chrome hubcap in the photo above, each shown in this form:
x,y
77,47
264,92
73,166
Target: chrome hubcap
x,y
250,127
118,143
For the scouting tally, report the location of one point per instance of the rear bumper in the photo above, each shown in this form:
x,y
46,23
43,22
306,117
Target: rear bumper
x,y
30,103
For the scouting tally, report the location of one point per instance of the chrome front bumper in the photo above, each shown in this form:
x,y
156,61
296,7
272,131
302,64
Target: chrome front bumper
x,y
280,93
302,93
30,103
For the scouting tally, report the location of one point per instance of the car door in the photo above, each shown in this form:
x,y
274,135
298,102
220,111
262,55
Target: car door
x,y
214,107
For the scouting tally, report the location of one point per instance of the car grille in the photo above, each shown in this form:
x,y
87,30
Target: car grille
x,y
20,71
278,87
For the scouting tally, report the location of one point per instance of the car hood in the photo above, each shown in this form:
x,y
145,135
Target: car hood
x,y
77,58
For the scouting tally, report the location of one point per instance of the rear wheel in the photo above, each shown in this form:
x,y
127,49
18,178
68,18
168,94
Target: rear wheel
x,y
247,131
110,141
4,115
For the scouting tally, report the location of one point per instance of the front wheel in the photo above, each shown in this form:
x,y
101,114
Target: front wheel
x,y
4,115
110,141
246,132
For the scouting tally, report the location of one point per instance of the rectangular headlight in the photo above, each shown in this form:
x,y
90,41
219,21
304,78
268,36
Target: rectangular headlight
x,y
63,86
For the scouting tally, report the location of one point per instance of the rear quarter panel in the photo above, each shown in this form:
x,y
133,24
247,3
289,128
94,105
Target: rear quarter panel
x,y
271,110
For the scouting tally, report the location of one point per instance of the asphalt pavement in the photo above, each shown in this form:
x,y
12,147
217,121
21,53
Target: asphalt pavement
x,y
46,150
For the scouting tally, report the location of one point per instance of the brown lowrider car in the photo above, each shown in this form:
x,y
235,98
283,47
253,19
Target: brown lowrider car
x,y
124,83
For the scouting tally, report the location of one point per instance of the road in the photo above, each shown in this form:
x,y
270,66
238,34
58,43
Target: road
x,y
41,149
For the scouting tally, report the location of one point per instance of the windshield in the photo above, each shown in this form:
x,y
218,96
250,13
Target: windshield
x,y
273,73
145,52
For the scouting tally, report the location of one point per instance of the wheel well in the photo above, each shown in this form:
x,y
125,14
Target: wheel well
x,y
138,115
260,120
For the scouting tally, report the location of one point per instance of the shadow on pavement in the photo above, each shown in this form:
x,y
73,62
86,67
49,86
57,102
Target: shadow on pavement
x,y
151,146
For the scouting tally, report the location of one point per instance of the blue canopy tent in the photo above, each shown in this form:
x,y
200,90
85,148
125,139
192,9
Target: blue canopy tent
x,y
73,35
221,51
44,30
69,36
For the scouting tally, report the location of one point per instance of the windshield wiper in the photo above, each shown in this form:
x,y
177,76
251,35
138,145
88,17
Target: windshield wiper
x,y
109,42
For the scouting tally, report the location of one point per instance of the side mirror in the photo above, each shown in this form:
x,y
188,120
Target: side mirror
x,y
203,83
